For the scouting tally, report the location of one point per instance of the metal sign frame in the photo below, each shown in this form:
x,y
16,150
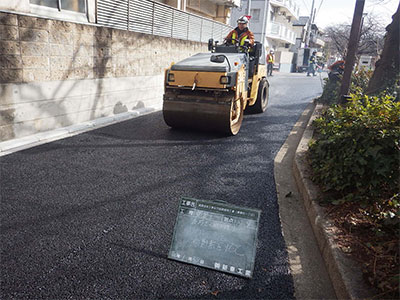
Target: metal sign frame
x,y
225,235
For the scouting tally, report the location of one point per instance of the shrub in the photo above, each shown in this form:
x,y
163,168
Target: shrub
x,y
357,151
330,94
359,84
356,161
359,80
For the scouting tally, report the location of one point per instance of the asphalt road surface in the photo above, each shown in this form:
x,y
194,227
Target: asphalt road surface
x,y
92,216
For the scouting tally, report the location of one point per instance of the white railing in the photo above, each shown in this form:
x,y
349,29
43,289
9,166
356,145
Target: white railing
x,y
321,42
146,16
226,2
289,5
279,31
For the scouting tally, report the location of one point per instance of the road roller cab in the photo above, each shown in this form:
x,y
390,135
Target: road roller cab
x,y
210,91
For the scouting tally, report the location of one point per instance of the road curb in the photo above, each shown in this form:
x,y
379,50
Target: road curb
x,y
307,266
345,274
14,145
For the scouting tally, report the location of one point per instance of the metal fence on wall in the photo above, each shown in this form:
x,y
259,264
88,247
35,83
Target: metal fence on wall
x,y
151,17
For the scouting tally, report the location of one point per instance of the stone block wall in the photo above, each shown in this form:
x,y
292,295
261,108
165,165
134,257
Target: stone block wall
x,y
55,73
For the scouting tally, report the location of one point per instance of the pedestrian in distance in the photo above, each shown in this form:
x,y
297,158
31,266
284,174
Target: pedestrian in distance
x,y
241,34
270,62
311,64
336,71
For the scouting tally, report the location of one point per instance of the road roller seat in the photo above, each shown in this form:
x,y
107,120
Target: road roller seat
x,y
254,57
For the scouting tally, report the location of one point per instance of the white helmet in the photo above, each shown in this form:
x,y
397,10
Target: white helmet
x,y
243,20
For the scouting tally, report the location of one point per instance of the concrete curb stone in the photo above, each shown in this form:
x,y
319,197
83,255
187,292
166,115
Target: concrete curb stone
x,y
307,266
14,145
345,273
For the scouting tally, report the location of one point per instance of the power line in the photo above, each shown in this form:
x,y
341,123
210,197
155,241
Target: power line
x,y
322,1
305,5
316,13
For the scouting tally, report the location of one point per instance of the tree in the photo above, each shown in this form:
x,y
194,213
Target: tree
x,y
386,73
371,37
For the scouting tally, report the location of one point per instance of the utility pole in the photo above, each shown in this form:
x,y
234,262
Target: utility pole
x,y
248,7
351,50
310,20
263,29
313,18
264,24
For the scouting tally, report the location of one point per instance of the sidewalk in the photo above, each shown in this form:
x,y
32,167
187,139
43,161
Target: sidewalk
x,y
310,275
14,145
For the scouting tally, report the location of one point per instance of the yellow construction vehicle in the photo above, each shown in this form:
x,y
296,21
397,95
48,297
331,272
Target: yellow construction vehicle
x,y
210,91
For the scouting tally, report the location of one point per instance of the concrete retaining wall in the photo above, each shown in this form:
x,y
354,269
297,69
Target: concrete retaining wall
x,y
56,73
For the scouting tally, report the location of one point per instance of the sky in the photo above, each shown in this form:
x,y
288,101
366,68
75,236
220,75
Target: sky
x,y
331,12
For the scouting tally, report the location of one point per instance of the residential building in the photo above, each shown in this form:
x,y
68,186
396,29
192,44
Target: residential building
x,y
65,62
272,24
316,38
218,10
300,30
306,43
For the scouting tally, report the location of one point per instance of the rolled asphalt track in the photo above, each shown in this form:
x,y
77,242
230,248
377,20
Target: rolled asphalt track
x,y
92,215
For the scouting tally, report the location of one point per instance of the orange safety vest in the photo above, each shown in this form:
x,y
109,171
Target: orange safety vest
x,y
242,38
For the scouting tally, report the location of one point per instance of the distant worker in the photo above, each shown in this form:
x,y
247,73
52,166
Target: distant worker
x,y
241,34
270,62
336,70
311,64
337,66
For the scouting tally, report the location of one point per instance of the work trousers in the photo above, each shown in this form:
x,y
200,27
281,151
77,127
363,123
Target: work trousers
x,y
269,69
311,69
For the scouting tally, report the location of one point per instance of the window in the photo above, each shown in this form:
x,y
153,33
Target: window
x,y
48,3
67,10
71,5
255,14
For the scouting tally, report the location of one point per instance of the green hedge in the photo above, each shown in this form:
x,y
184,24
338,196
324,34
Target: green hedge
x,y
357,150
355,158
359,84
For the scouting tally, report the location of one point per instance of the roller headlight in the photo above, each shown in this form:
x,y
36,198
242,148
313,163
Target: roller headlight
x,y
171,77
225,80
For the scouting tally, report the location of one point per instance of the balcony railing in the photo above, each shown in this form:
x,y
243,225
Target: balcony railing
x,y
227,2
290,5
146,16
317,41
278,31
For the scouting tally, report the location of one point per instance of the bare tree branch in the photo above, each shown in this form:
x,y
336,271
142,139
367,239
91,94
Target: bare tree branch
x,y
371,37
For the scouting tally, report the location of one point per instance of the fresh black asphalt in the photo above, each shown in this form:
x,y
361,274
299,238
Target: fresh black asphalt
x,y
92,216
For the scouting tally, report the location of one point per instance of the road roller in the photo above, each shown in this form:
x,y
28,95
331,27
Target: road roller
x,y
210,91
